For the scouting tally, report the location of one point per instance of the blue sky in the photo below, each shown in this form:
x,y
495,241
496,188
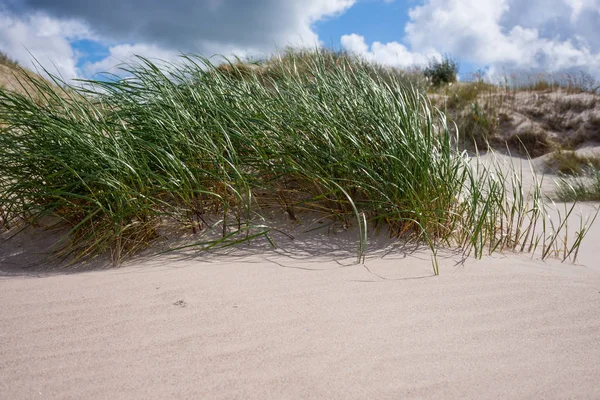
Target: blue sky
x,y
81,39
375,20
91,51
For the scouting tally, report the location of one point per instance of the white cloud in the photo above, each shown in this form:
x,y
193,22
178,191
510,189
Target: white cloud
x,y
549,35
44,38
355,43
317,9
162,30
125,53
579,6
391,53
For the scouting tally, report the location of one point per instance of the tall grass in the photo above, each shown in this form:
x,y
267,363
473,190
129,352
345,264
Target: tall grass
x,y
580,188
190,142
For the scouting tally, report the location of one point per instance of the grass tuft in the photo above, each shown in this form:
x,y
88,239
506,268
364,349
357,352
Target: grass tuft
x,y
8,61
582,188
530,142
213,148
442,71
570,163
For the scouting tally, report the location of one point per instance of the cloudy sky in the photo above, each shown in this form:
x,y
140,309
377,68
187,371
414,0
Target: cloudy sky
x,y
80,38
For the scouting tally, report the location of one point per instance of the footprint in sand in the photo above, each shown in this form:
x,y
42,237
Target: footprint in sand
x,y
180,303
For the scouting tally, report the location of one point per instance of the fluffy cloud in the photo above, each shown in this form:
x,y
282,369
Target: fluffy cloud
x,y
536,35
549,35
392,53
43,37
158,28
194,25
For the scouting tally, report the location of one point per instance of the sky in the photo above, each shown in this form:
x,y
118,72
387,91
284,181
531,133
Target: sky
x,y
79,39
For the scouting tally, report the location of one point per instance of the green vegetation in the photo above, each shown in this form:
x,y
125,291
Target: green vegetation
x,y
300,60
571,163
474,107
214,148
583,188
6,60
571,83
442,71
580,176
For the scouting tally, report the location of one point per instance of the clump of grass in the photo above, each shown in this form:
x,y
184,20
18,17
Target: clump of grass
x,y
475,108
587,131
571,163
531,142
583,188
575,103
465,94
594,123
298,60
570,82
5,59
442,71
214,148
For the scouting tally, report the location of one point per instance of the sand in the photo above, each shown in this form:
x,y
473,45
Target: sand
x,y
302,325
302,321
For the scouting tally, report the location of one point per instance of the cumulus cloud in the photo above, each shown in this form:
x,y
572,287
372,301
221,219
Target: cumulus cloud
x,y
536,35
549,35
391,53
158,28
193,25
45,38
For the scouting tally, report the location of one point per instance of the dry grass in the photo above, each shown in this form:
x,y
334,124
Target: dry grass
x,y
530,143
571,163
8,61
570,82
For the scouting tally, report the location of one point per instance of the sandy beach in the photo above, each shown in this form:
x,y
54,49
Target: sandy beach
x,y
305,321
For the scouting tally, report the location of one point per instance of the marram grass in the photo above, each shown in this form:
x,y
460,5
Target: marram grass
x,y
322,132
581,188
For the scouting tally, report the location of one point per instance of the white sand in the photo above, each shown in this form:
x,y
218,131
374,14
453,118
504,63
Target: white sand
x,y
301,325
303,321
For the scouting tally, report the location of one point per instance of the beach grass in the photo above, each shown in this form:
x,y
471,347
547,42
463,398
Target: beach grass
x,y
213,148
585,187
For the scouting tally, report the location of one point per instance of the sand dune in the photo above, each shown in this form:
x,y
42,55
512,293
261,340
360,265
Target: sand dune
x,y
305,324
304,321
301,321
